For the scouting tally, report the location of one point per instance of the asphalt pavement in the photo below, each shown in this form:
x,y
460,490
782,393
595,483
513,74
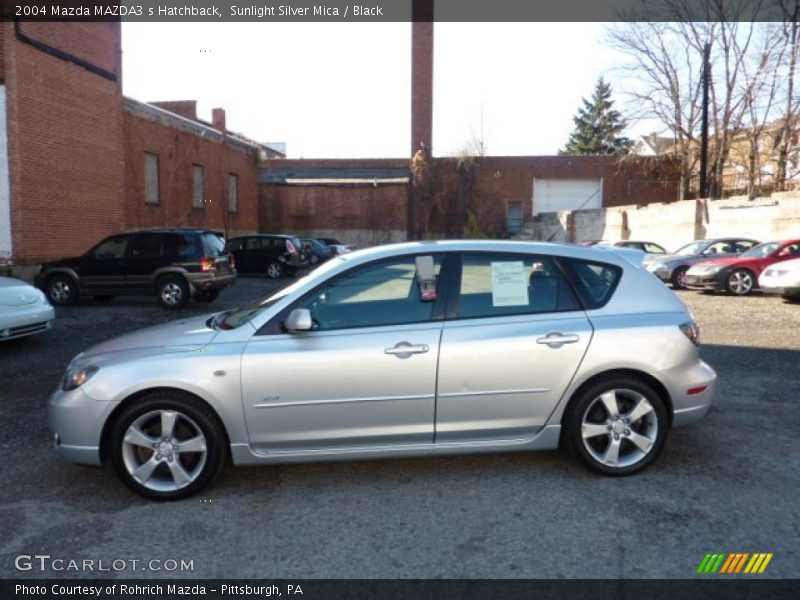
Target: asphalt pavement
x,y
727,484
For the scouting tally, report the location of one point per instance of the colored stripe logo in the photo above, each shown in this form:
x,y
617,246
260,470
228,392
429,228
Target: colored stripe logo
x,y
734,562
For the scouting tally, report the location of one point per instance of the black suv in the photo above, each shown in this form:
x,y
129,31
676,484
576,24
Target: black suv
x,y
274,255
173,264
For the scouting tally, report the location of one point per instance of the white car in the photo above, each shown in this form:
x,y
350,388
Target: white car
x,y
782,278
24,310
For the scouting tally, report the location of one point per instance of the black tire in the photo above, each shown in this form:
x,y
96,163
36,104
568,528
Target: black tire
x,y
103,298
206,296
193,418
792,298
679,278
588,408
313,259
173,291
275,270
61,290
740,282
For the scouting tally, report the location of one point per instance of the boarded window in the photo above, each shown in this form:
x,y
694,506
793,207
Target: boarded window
x,y
197,186
151,178
233,193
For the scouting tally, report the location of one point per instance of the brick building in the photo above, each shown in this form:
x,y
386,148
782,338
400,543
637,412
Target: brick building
x,y
79,161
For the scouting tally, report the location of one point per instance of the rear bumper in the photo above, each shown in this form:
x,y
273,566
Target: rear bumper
x,y
202,282
688,408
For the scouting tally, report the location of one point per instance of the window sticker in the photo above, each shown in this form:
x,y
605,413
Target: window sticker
x,y
509,284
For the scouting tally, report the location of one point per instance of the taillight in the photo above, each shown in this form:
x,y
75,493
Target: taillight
x,y
290,247
206,264
692,331
232,261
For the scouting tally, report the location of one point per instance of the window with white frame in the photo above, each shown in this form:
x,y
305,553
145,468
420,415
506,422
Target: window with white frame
x,y
151,189
233,193
198,192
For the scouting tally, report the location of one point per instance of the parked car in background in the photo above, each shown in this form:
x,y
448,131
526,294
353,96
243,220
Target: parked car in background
x,y
317,252
24,310
424,348
646,247
672,268
782,278
337,246
274,255
739,274
594,243
172,264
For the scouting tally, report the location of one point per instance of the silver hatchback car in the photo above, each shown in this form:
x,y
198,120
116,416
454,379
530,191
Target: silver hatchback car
x,y
411,349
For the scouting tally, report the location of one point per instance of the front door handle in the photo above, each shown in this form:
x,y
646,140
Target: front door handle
x,y
404,349
556,340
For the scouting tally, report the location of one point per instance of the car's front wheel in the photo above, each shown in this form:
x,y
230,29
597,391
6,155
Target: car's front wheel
x,y
741,282
617,426
167,446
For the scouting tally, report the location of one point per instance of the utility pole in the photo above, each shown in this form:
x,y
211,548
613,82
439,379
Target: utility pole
x,y
704,123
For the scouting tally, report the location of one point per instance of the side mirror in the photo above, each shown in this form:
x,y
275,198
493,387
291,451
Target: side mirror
x,y
299,320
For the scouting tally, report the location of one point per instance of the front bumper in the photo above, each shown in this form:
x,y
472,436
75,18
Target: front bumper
x,y
76,421
26,320
712,282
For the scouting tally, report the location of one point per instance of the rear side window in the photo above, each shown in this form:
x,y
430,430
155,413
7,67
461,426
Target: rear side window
x,y
182,246
146,246
498,285
213,245
595,282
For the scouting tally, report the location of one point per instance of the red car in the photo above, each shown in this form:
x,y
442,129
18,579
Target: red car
x,y
739,274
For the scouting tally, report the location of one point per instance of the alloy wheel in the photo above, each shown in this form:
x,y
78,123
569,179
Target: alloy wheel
x,y
274,270
164,450
171,293
619,428
740,282
60,291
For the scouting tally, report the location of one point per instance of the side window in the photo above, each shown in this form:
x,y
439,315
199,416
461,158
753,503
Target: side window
x,y
146,246
653,249
595,282
111,249
720,248
743,245
181,246
387,293
252,243
235,245
497,285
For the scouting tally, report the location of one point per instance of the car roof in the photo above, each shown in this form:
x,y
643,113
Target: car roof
x,y
286,236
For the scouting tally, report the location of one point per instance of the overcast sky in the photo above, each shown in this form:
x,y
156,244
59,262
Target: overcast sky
x,y
343,90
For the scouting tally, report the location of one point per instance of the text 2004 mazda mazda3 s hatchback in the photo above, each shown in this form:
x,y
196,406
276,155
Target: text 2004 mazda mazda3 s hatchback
x,y
410,349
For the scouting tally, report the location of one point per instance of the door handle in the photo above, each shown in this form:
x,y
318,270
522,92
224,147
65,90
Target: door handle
x,y
556,340
404,349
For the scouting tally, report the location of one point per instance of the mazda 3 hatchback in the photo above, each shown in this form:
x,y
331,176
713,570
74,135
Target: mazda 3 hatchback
x,y
403,350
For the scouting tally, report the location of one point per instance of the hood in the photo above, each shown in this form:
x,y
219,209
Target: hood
x,y
184,334
15,292
63,262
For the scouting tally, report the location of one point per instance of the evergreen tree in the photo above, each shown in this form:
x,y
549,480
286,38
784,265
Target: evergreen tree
x,y
598,126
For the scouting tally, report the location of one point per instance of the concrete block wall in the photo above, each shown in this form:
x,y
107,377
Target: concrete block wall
x,y
675,224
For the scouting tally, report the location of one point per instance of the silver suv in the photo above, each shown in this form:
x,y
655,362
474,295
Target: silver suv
x,y
411,349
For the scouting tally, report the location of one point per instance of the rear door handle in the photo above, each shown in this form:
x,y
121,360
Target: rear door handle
x,y
556,340
404,349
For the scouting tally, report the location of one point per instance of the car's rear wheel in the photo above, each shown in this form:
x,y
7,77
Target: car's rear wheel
x,y
173,291
167,446
206,296
61,290
679,278
618,426
313,259
274,270
740,282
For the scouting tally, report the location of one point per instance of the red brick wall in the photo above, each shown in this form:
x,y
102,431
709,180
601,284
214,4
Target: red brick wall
x,y
499,179
65,138
178,151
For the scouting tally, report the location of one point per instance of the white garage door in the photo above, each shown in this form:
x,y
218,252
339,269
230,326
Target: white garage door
x,y
552,195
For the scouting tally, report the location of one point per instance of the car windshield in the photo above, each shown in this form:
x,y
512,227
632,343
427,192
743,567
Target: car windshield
x,y
761,250
243,314
693,248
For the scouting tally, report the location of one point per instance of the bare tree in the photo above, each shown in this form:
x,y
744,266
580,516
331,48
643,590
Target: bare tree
x,y
790,10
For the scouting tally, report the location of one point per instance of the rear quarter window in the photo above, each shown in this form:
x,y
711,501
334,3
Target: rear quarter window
x,y
594,282
213,245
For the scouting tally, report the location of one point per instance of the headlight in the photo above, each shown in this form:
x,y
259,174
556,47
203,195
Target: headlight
x,y
653,267
77,376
